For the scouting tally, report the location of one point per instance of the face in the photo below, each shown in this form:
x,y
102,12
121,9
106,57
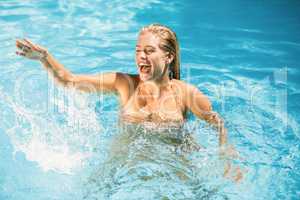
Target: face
x,y
150,59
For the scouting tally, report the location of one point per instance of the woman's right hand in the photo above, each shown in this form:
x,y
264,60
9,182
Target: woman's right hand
x,y
30,50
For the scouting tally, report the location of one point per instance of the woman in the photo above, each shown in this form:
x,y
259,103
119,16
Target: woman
x,y
155,95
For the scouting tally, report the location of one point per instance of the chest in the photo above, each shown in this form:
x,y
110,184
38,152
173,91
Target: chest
x,y
167,106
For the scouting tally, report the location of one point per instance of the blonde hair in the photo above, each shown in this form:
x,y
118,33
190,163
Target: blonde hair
x,y
169,43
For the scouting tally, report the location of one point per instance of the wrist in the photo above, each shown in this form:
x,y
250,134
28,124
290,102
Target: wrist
x,y
44,56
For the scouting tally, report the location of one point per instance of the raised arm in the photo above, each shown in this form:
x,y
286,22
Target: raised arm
x,y
200,106
89,83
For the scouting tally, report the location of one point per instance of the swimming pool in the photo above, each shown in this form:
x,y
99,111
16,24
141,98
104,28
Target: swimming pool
x,y
243,55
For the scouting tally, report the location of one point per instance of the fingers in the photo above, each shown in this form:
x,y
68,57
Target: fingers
x,y
20,53
28,41
25,43
232,152
21,44
30,50
227,169
30,44
41,49
233,173
35,46
238,175
229,152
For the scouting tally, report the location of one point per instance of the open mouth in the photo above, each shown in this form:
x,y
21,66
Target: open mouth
x,y
144,68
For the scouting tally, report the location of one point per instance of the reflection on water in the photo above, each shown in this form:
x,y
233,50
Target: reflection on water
x,y
145,163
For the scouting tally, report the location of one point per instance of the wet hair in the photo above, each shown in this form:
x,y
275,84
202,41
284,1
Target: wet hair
x,y
169,43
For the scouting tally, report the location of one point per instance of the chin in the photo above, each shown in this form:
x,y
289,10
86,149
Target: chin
x,y
145,77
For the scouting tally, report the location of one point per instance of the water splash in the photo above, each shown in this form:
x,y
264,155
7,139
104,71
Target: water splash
x,y
62,146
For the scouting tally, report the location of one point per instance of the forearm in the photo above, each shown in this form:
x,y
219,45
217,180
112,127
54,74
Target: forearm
x,y
222,134
214,119
89,83
59,72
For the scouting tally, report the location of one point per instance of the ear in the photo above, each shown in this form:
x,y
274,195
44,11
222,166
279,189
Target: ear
x,y
170,58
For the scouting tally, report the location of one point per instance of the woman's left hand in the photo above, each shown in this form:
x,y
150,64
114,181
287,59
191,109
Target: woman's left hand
x,y
231,171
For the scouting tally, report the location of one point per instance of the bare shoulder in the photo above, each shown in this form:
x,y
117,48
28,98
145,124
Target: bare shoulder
x,y
126,85
192,96
125,76
184,87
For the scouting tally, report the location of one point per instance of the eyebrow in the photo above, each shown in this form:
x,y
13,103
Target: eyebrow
x,y
146,46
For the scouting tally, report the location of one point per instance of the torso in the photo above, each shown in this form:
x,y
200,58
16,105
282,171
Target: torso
x,y
163,115
147,105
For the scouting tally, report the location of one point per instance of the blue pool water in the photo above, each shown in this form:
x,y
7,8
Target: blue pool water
x,y
62,144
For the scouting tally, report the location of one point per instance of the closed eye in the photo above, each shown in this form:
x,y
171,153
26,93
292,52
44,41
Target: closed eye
x,y
149,50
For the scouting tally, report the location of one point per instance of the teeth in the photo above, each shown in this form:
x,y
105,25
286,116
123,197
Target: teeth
x,y
142,66
145,68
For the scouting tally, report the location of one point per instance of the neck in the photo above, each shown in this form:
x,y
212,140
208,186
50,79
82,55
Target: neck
x,y
154,88
163,81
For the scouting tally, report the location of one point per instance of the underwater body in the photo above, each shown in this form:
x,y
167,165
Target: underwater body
x,y
57,143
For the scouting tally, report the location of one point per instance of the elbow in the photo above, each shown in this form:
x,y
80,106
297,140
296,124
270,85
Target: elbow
x,y
206,111
212,117
215,119
65,78
207,107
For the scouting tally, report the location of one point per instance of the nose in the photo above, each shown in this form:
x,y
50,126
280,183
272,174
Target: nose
x,y
143,55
